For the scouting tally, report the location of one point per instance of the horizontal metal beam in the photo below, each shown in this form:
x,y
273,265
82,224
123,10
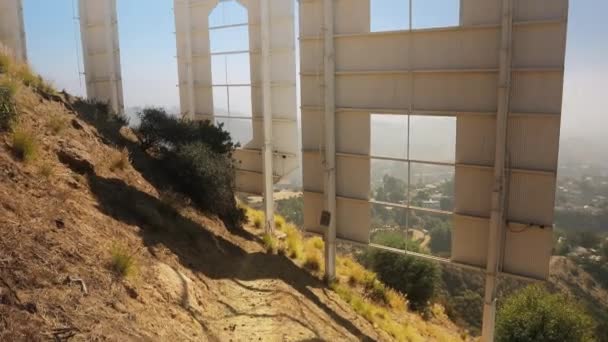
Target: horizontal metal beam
x,y
423,112
427,71
439,29
432,258
438,163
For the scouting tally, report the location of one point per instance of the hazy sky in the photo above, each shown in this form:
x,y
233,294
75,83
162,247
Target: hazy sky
x,y
149,67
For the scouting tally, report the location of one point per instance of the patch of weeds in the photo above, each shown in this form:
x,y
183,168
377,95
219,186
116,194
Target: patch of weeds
x,y
396,300
56,124
122,262
8,108
270,243
375,314
316,243
295,247
279,222
46,170
313,259
119,160
5,63
256,217
24,145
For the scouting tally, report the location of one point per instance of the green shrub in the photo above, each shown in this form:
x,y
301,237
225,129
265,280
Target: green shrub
x,y
416,278
8,110
57,123
162,131
122,262
207,178
533,314
24,145
198,158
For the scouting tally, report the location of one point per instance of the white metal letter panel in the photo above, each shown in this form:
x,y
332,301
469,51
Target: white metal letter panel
x,y
444,71
12,33
539,35
101,52
195,83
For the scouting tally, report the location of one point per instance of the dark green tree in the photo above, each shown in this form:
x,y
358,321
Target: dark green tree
x,y
535,315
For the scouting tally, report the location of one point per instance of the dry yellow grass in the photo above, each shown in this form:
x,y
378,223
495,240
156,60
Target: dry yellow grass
x,y
119,160
382,306
24,145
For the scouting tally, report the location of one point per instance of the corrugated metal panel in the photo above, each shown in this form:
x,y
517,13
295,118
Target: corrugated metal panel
x,y
12,33
353,132
484,12
351,16
312,168
472,190
470,240
353,220
475,139
533,142
353,177
531,198
528,250
537,92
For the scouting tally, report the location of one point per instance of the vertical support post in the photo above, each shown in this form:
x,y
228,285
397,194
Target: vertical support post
x,y
84,23
21,48
497,218
109,22
12,31
189,68
330,137
267,150
105,19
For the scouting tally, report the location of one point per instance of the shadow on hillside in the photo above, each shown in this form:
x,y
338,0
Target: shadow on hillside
x,y
199,249
150,168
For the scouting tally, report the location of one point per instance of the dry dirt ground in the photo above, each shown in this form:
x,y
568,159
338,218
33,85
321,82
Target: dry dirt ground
x,y
195,280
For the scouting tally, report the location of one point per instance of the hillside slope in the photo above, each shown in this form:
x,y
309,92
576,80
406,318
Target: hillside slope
x,y
63,213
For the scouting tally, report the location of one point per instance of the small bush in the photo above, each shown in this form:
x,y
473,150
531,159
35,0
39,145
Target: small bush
x,y
24,145
122,262
161,131
313,259
8,109
56,124
295,247
416,278
258,222
119,160
5,62
270,243
279,222
533,314
207,178
46,170
198,158
316,243
396,300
